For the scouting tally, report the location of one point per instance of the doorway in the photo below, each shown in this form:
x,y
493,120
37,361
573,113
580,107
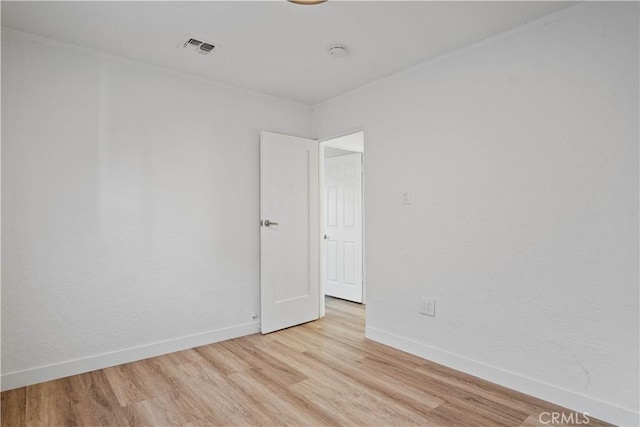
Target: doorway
x,y
293,214
342,217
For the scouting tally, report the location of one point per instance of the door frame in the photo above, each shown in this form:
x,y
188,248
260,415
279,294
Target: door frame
x,y
322,144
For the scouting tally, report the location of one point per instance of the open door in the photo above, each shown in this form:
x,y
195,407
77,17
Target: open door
x,y
343,226
289,231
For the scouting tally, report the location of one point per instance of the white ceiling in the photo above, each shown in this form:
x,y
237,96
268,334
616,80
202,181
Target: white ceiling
x,y
276,47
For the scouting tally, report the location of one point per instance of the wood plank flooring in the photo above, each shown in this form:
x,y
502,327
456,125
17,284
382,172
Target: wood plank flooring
x,y
323,373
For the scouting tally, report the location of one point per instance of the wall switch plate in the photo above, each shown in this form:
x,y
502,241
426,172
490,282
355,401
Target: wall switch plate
x,y
406,198
428,307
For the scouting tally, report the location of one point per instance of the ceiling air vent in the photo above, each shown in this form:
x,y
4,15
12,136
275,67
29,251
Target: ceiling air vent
x,y
206,47
199,46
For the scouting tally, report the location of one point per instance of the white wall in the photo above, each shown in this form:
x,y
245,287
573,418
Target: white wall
x,y
130,209
521,155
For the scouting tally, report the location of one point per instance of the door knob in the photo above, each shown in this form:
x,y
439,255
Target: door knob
x,y
268,223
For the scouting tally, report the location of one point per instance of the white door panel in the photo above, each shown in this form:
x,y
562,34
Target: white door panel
x,y
289,291
343,226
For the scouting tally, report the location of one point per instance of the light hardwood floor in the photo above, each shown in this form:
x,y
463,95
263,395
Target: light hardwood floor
x,y
321,373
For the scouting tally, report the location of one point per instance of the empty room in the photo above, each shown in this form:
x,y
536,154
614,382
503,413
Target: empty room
x,y
320,213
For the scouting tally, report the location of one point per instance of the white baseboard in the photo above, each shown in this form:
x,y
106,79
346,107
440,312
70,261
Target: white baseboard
x,y
40,374
571,400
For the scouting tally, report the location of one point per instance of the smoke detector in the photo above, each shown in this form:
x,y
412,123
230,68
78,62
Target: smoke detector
x,y
338,51
197,45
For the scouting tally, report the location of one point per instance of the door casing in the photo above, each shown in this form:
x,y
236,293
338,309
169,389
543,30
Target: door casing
x,y
334,142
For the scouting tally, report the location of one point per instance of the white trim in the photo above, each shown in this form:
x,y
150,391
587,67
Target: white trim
x,y
342,142
569,399
322,144
540,22
360,129
321,243
40,374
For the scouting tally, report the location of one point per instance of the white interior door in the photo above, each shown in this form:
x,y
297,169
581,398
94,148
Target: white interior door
x,y
343,226
289,232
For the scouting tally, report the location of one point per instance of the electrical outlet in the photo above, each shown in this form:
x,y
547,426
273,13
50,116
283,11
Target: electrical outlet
x,y
428,307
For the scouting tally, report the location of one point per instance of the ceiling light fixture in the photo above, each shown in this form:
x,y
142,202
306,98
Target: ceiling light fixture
x,y
307,2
